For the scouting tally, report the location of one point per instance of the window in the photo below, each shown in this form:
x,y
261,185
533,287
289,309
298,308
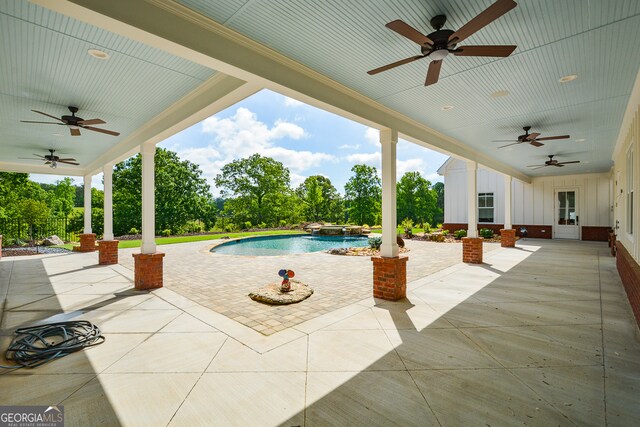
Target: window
x,y
485,207
629,193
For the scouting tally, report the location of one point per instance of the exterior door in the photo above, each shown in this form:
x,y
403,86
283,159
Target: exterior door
x,y
567,217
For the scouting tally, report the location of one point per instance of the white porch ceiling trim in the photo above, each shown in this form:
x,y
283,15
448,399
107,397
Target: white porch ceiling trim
x,y
179,30
214,95
40,169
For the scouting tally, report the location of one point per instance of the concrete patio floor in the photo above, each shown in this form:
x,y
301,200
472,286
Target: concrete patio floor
x,y
538,335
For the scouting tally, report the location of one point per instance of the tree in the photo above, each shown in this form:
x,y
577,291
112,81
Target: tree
x,y
61,197
415,200
320,199
256,183
181,193
364,193
34,213
15,187
438,187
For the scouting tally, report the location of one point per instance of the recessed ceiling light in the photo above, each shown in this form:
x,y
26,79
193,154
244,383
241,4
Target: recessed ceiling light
x,y
568,78
500,94
580,140
98,54
447,107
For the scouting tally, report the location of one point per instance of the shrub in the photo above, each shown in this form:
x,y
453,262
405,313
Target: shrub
x,y
283,223
486,233
375,242
445,232
427,227
247,225
262,225
407,224
166,233
134,230
365,226
459,234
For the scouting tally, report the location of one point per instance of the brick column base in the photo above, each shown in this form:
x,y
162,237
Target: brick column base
x,y
389,277
148,270
472,250
107,252
613,245
508,238
87,243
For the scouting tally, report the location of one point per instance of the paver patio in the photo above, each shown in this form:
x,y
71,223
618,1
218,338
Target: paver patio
x,y
538,335
222,282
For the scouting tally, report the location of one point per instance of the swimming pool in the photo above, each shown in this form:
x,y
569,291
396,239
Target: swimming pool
x,y
283,245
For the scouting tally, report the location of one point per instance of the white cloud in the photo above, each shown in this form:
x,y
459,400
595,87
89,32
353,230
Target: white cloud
x,y
372,136
411,165
290,102
371,159
349,146
242,135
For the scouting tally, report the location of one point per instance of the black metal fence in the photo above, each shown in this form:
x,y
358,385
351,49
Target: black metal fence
x,y
19,229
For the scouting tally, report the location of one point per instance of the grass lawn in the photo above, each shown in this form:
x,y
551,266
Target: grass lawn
x,y
198,238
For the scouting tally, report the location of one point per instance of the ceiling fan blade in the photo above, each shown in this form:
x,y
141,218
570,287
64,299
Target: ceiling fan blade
x,y
500,51
567,163
535,143
409,32
74,132
513,143
48,115
554,137
485,17
47,162
560,165
533,136
108,132
44,123
92,122
67,162
68,159
42,157
433,74
395,64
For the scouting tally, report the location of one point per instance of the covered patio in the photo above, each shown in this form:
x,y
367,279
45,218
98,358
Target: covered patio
x,y
531,336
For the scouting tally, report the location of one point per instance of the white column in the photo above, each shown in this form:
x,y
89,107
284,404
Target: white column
x,y
148,199
389,140
472,198
87,204
108,201
507,203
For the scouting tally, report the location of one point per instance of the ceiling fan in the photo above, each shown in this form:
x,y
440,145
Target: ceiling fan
x,y
51,159
531,138
75,123
552,162
440,43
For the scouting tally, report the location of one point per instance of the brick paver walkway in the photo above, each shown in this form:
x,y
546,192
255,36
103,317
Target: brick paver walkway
x,y
222,282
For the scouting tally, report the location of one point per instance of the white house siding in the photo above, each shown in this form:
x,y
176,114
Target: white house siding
x,y
532,204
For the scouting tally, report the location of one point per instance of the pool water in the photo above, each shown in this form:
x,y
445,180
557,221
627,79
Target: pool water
x,y
283,245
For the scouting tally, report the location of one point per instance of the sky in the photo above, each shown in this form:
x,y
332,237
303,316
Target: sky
x,y
307,140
